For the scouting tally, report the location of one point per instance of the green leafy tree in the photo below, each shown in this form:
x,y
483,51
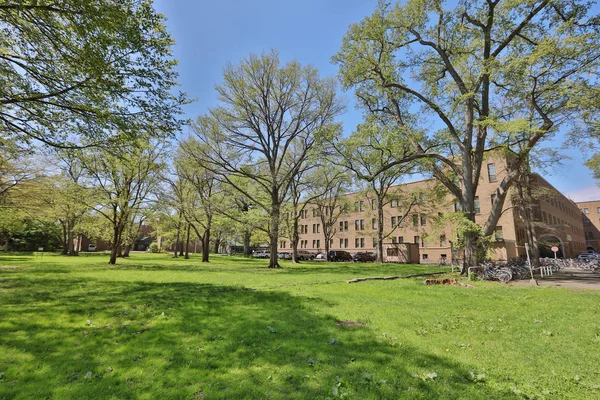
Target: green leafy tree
x,y
271,116
367,153
122,181
74,72
479,71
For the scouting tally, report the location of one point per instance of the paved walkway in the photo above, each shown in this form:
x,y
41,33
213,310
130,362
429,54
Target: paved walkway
x,y
570,278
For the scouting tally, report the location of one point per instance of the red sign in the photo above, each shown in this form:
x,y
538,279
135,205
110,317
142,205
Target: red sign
x,y
554,249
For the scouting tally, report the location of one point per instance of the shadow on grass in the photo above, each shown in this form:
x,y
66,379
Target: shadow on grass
x,y
91,339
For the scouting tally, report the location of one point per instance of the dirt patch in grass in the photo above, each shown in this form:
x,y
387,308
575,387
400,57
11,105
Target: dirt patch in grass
x,y
446,282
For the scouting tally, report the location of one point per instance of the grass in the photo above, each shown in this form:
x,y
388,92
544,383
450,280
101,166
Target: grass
x,y
157,327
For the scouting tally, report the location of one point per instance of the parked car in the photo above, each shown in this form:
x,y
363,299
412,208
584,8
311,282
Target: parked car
x,y
588,256
284,255
339,255
320,256
305,255
364,257
91,247
261,254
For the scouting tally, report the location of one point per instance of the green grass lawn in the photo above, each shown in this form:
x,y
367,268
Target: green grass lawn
x,y
156,327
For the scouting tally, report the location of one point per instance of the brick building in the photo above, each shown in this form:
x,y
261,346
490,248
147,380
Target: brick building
x,y
558,221
590,214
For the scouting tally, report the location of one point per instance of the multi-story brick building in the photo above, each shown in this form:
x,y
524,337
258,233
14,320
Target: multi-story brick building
x,y
590,214
557,218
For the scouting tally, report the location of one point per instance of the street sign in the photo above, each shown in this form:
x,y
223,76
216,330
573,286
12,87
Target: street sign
x,y
554,249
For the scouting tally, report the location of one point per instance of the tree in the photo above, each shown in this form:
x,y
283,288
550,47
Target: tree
x,y
122,180
481,69
75,72
366,153
198,192
328,186
267,109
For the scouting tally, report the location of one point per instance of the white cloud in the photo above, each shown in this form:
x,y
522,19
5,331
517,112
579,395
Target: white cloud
x,y
587,193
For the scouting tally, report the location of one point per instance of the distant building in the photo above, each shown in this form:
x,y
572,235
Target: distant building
x,y
590,215
557,219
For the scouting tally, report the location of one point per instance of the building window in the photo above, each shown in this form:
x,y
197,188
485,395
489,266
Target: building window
x,y
417,240
374,242
477,208
356,242
373,204
393,222
314,228
400,239
544,216
314,243
392,252
318,244
415,219
457,207
492,172
394,203
422,242
356,225
394,240
341,243
362,224
374,223
443,241
423,220
362,205
400,222
598,210
341,226
346,226
346,243
362,242
498,233
585,210
425,256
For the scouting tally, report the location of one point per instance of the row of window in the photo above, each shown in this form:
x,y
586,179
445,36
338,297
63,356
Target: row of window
x,y
359,243
587,210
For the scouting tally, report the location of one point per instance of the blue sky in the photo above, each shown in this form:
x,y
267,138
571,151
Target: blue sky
x,y
209,34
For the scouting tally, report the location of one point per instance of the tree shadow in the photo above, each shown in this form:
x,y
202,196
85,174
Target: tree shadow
x,y
77,338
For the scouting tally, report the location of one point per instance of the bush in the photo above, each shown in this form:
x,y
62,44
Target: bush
x,y
153,248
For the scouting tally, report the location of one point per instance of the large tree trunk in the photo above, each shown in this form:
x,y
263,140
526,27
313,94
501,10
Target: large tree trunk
x,y
380,229
295,239
72,251
327,243
65,249
247,251
526,204
187,244
217,243
116,246
175,252
127,249
205,245
274,234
